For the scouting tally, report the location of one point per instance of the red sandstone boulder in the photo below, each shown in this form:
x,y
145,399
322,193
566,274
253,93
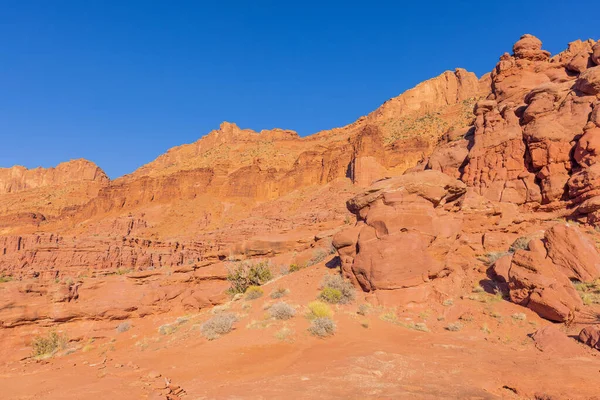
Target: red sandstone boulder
x,y
550,339
535,283
589,81
401,233
573,253
590,335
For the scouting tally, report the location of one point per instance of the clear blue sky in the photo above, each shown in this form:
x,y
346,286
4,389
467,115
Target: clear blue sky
x,y
120,82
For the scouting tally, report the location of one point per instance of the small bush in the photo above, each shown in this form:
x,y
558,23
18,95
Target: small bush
x,y
243,275
346,290
322,327
492,257
363,309
521,243
294,268
254,292
319,309
45,346
218,326
454,327
448,302
284,334
167,329
123,327
519,316
282,310
5,278
419,326
279,293
331,295
318,256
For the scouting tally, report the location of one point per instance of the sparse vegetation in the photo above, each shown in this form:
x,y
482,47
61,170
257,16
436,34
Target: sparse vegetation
x,y
243,275
448,302
318,309
521,243
283,334
294,268
253,292
320,255
419,326
493,256
589,292
364,309
167,329
322,327
331,295
218,325
5,278
279,293
282,311
48,345
123,327
454,327
519,316
337,290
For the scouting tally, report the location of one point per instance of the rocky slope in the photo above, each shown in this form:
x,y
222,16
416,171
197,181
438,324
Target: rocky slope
x,y
464,212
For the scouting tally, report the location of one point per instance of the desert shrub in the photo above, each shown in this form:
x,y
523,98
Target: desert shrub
x,y
493,256
454,327
337,290
331,295
218,325
279,293
123,327
364,309
322,327
282,310
254,292
48,345
588,291
294,268
318,309
419,326
284,334
318,256
519,316
5,278
167,329
521,243
244,274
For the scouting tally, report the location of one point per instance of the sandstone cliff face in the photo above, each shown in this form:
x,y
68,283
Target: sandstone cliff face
x,y
17,179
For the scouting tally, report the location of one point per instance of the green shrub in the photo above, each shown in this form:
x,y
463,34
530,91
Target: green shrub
x,y
5,278
218,326
331,295
45,346
282,310
337,290
294,268
244,274
318,309
254,292
322,327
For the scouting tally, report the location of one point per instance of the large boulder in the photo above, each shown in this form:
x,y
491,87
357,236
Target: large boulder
x,y
590,335
535,283
402,234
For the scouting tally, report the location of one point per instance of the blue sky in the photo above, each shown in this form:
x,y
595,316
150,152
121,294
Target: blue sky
x,y
120,82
